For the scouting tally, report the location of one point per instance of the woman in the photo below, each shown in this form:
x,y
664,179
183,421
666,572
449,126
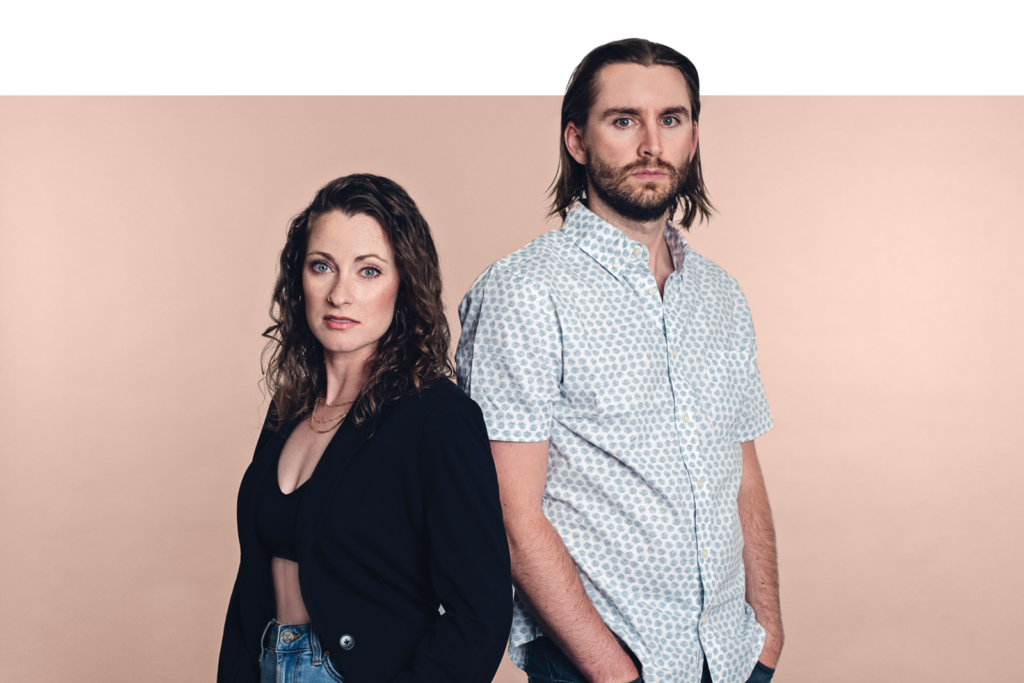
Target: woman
x,y
372,544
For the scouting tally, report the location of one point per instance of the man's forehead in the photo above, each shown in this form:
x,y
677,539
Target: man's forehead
x,y
634,86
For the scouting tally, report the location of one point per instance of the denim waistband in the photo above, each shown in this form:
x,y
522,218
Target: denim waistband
x,y
279,637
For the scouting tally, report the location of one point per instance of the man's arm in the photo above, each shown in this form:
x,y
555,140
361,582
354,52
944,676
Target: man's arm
x,y
759,559
543,571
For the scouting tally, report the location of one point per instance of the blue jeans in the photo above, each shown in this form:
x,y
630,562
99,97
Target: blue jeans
x,y
291,653
546,663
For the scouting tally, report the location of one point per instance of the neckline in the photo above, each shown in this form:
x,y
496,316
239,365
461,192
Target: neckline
x,y
276,471
297,488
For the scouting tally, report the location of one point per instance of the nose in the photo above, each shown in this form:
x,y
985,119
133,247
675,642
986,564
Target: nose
x,y
341,292
650,145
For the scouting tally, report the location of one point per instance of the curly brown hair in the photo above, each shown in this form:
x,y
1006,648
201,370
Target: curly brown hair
x,y
570,183
414,350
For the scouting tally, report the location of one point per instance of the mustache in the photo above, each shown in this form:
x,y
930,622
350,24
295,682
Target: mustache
x,y
645,165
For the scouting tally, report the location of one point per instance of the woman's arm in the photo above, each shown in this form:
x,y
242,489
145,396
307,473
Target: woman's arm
x,y
469,559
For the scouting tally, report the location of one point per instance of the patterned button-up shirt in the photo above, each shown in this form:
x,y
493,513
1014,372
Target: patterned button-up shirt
x,y
645,400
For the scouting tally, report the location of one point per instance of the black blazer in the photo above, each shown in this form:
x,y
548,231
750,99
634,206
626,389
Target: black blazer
x,y
391,525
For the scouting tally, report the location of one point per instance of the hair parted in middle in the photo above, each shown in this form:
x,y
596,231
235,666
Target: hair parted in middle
x,y
411,354
570,183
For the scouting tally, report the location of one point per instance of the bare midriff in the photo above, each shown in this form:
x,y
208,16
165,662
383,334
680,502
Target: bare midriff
x,y
290,607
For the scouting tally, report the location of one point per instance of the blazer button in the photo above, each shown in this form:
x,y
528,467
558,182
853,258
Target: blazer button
x,y
347,642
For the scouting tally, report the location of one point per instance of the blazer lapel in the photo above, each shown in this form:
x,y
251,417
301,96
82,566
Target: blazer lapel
x,y
339,453
257,586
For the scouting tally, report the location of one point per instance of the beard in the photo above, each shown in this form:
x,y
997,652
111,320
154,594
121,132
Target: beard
x,y
639,204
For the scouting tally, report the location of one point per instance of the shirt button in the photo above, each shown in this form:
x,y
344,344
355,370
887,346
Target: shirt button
x,y
703,620
685,418
700,485
637,251
616,265
347,642
675,353
652,290
704,553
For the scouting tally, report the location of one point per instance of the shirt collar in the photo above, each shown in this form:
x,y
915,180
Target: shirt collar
x,y
610,247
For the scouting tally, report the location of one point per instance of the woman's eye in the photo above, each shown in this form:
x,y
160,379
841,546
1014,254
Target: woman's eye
x,y
321,267
369,271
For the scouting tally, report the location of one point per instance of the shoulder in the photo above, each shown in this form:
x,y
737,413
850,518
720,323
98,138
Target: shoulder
x,y
523,280
439,399
532,264
270,428
441,418
713,280
443,392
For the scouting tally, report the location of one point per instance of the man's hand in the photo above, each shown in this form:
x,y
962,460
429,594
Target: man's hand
x,y
759,559
544,573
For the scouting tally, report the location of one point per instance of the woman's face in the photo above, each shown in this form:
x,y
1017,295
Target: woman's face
x,y
350,283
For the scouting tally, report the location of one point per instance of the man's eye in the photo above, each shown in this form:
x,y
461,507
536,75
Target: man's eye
x,y
670,120
622,123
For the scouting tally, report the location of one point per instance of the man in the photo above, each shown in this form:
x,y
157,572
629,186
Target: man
x,y
618,377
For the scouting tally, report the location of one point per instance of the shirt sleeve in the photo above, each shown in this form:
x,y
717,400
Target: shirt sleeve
x,y
509,357
755,418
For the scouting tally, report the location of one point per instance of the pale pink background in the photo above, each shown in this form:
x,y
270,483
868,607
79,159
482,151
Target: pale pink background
x,y
879,242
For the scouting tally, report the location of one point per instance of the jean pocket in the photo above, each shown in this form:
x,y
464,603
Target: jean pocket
x,y
761,674
330,670
537,668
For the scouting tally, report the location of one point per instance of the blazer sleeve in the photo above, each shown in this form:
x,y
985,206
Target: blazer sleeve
x,y
468,551
234,665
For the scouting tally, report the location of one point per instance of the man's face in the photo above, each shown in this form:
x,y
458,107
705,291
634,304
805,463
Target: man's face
x,y
638,141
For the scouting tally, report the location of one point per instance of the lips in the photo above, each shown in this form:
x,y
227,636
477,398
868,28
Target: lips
x,y
650,175
650,172
339,323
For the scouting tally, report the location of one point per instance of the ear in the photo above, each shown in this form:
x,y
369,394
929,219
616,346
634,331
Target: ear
x,y
693,147
573,137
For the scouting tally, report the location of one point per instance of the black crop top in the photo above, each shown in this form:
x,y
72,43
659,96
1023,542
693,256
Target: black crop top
x,y
277,515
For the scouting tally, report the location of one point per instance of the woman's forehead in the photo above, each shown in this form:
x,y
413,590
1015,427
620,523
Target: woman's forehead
x,y
340,234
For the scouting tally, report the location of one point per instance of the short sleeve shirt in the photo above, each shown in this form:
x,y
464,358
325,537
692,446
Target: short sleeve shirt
x,y
645,399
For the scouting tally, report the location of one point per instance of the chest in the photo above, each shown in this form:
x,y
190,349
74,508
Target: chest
x,y
629,351
358,492
300,456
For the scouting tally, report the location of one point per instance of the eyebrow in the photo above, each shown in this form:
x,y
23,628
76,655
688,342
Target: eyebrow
x,y
366,256
358,258
630,111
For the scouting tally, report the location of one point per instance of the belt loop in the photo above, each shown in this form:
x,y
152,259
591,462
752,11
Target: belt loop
x,y
264,636
314,644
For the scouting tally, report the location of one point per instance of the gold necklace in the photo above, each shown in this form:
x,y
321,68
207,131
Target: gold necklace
x,y
313,417
330,405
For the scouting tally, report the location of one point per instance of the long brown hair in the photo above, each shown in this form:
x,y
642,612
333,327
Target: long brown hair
x,y
570,183
414,350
